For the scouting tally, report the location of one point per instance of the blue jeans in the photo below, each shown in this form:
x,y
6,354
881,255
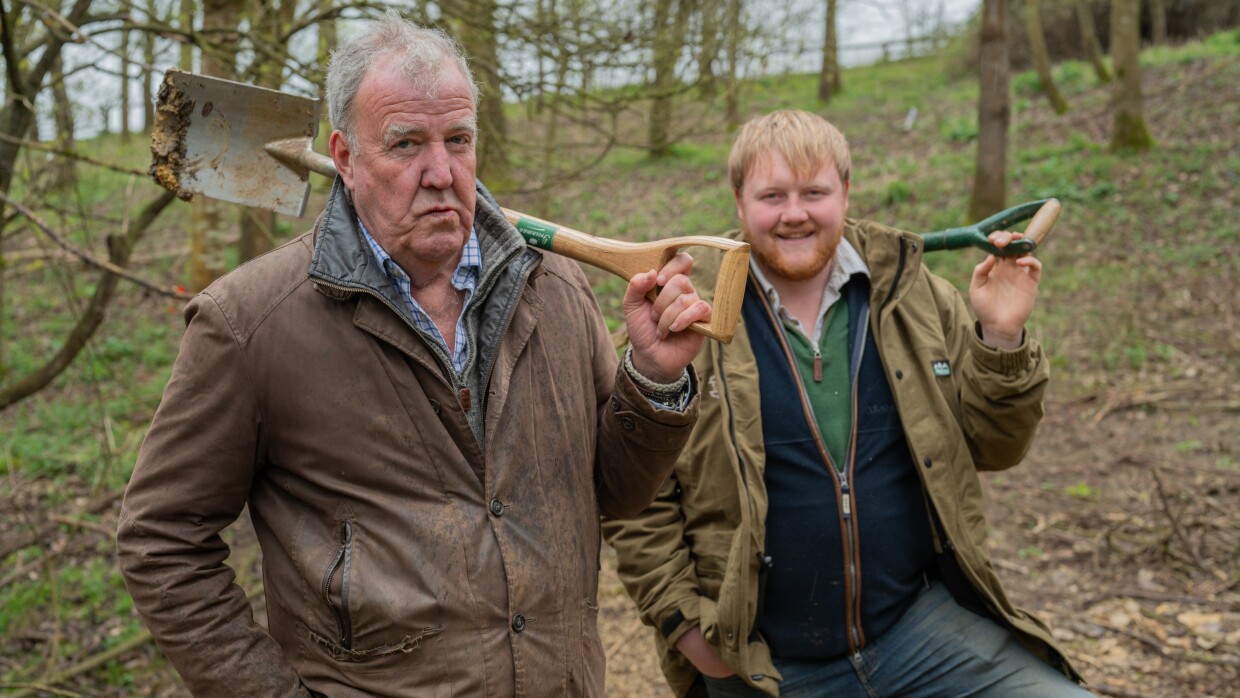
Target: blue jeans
x,y
936,649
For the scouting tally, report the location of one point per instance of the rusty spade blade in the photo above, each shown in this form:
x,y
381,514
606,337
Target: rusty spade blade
x,y
210,138
252,146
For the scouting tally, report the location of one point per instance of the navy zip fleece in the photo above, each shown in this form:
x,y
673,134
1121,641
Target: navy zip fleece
x,y
841,574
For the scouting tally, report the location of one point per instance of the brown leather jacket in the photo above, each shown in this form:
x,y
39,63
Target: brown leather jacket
x,y
402,555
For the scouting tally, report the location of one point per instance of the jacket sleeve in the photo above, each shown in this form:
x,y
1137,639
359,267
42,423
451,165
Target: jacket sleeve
x,y
1001,391
655,564
636,443
191,481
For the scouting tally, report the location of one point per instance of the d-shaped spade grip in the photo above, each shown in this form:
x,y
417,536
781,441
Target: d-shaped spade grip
x,y
1044,214
625,259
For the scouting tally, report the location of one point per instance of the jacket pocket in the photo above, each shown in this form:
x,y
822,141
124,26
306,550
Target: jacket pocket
x,y
336,594
336,589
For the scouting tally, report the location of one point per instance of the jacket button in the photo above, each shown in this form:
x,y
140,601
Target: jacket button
x,y
518,623
626,423
899,374
435,406
497,507
615,404
927,462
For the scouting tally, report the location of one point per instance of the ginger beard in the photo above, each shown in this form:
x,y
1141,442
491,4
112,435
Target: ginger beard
x,y
798,265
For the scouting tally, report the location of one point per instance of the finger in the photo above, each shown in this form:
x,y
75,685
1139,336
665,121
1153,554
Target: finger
x,y
639,286
1001,238
680,263
684,312
671,290
982,271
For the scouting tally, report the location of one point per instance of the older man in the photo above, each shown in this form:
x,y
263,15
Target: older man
x,y
425,416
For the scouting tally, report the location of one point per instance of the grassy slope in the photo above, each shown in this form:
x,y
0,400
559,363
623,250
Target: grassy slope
x,y
1140,287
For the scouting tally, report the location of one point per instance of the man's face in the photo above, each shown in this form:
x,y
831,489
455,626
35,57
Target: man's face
x,y
413,170
792,223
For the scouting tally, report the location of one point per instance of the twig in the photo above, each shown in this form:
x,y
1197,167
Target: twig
x,y
143,637
1172,517
32,145
13,544
91,259
88,525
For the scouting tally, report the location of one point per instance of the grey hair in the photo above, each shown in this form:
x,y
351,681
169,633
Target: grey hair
x,y
425,55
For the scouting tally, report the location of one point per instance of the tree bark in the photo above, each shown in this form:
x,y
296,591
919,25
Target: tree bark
x,y
708,52
187,25
1158,22
148,72
1130,131
829,82
210,227
670,19
124,51
734,29
1041,56
477,32
1089,36
993,113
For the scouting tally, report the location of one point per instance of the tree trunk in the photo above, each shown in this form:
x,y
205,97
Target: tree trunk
x,y
479,38
148,72
732,109
1041,56
187,25
210,226
1130,131
66,171
829,77
124,51
708,52
993,113
1158,22
670,19
1089,36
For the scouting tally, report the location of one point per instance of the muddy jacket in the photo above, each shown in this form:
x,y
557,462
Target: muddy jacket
x,y
402,556
694,556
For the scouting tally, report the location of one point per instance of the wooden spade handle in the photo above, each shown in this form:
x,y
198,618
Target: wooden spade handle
x,y
1043,221
626,259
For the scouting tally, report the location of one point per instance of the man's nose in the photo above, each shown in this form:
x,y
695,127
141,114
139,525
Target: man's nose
x,y
436,168
794,211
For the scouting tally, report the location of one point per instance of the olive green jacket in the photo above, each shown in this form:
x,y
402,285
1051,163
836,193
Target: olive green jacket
x,y
696,548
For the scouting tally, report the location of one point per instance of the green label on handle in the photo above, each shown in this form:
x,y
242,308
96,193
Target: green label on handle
x,y
537,234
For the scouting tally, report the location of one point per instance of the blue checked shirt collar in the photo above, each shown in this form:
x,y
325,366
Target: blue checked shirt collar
x,y
465,278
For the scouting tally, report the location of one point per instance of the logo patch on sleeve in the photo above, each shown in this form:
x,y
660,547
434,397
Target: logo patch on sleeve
x,y
942,367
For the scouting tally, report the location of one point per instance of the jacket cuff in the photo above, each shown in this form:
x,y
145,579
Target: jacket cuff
x,y
682,619
1024,359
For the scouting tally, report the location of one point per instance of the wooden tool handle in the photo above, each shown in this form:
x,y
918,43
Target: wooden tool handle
x,y
1043,221
626,259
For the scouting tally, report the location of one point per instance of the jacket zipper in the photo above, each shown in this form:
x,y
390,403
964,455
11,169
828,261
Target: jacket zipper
x,y
841,475
343,561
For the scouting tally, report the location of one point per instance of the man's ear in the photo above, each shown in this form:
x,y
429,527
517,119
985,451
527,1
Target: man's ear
x,y
338,146
740,207
846,197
